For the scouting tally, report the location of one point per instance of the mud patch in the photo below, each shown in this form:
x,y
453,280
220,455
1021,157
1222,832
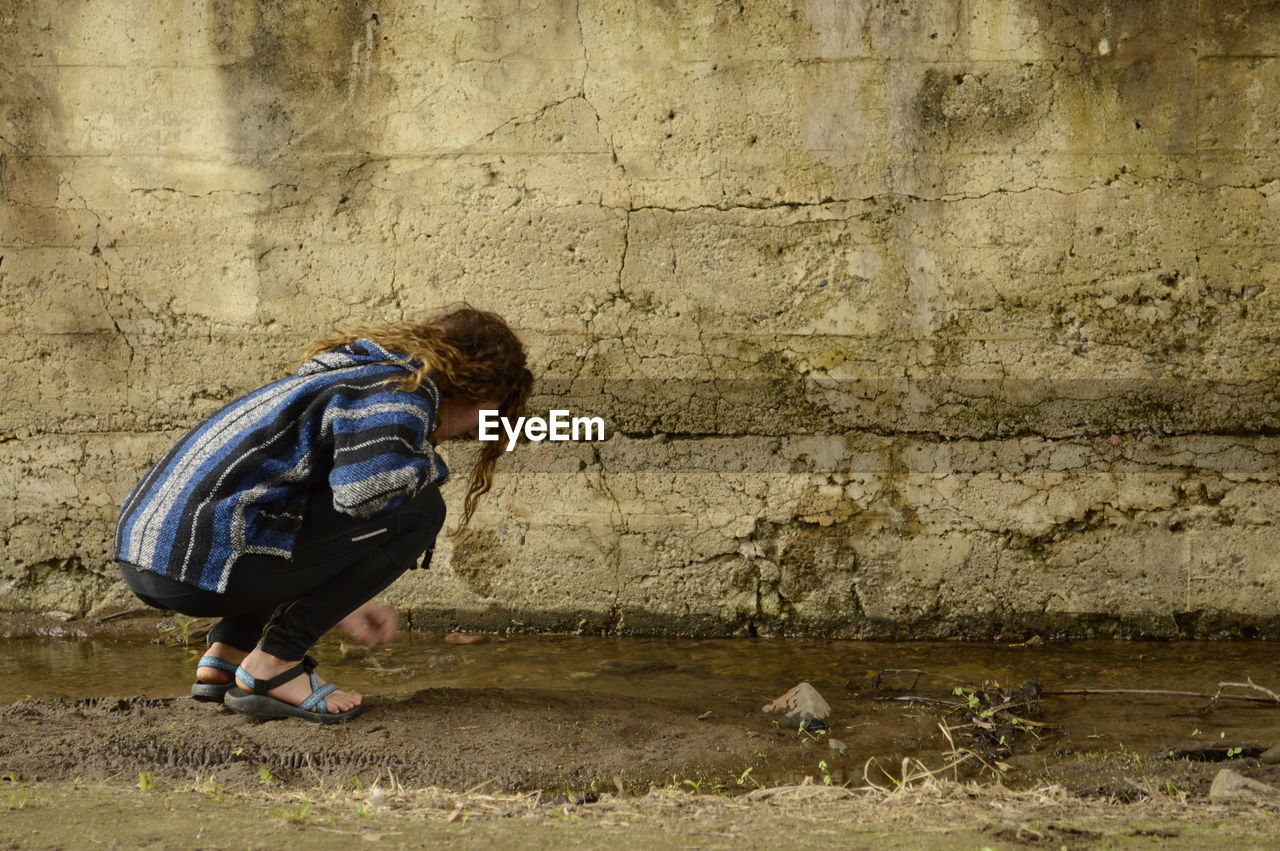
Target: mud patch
x,y
518,739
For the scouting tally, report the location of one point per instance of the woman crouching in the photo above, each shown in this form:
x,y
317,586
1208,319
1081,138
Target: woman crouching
x,y
288,510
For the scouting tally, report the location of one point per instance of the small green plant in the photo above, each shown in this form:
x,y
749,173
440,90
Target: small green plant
x,y
1170,788
742,778
146,782
1232,753
265,777
362,810
970,697
700,785
179,632
238,751
19,798
826,773
295,815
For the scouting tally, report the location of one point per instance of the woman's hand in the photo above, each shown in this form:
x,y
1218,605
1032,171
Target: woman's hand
x,y
372,624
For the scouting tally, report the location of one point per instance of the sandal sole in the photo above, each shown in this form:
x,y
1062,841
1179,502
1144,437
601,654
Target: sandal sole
x,y
266,708
210,692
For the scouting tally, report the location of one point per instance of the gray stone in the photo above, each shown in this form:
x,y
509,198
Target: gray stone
x,y
1231,785
805,709
1271,756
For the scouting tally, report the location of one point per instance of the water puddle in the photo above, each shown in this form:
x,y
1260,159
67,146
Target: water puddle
x,y
734,678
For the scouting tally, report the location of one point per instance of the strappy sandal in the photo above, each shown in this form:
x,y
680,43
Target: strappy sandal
x,y
213,692
258,704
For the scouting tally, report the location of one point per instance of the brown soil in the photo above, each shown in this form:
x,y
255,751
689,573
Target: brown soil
x,y
135,624
455,738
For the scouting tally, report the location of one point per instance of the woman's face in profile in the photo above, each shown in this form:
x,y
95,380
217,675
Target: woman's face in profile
x,y
459,418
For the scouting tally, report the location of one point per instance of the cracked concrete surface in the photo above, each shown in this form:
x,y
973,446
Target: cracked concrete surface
x,y
908,319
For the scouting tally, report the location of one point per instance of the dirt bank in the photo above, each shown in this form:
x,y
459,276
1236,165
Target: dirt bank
x,y
515,739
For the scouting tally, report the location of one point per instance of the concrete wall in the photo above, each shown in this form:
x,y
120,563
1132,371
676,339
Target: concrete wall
x,y
908,318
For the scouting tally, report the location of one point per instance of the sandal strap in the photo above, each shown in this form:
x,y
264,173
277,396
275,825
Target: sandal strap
x,y
317,696
306,666
215,662
259,686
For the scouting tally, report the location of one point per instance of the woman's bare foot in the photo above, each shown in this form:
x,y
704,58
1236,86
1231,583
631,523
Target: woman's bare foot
x,y
264,666
217,676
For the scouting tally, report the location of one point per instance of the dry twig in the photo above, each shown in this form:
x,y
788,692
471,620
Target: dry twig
x,y
1212,698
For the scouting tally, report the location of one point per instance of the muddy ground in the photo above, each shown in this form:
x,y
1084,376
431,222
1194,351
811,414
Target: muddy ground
x,y
513,739
570,744
539,767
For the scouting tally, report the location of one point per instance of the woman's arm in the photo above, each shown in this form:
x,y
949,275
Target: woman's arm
x,y
372,624
382,453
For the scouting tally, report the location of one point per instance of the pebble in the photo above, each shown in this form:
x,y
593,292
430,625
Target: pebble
x,y
838,746
462,638
1271,756
1232,785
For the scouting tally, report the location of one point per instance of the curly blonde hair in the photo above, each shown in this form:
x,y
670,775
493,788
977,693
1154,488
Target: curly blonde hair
x,y
468,353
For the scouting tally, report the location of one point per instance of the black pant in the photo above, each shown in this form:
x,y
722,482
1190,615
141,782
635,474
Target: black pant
x,y
339,563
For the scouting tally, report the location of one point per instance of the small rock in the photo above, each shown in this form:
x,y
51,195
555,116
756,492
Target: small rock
x,y
462,638
60,616
805,709
1230,785
1271,756
839,747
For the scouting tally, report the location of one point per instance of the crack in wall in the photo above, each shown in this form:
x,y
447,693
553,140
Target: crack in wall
x,y
995,153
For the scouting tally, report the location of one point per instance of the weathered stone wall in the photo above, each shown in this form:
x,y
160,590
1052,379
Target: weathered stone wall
x,y
908,318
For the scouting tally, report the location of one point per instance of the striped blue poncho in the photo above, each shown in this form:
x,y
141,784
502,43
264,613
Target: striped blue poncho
x,y
239,481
